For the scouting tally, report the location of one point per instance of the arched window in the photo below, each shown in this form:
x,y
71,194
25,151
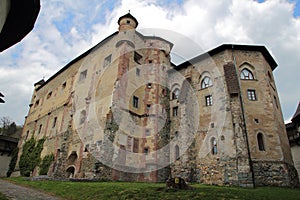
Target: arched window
x,y
214,146
177,155
82,117
260,142
206,82
175,93
246,74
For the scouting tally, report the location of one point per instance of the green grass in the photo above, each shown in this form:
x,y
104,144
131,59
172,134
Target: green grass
x,y
124,190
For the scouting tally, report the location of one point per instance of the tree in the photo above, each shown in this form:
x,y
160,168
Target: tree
x,y
9,128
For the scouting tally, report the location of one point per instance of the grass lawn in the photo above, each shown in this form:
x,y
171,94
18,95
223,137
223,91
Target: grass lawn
x,y
124,190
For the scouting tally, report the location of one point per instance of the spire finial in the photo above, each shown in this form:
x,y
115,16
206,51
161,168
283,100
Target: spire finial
x,y
128,11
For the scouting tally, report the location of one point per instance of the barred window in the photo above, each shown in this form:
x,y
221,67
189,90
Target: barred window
x,y
209,100
251,95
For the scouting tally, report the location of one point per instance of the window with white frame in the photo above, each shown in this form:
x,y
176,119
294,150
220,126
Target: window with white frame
x,y
251,95
206,82
246,74
209,100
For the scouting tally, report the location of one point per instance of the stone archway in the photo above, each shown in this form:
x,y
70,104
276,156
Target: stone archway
x,y
70,171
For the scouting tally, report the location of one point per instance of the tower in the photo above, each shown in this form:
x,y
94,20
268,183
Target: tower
x,y
127,22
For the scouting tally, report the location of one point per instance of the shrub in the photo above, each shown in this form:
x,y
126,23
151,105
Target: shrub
x,y
13,161
45,164
31,156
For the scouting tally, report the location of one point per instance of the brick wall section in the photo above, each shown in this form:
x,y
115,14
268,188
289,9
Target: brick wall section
x,y
231,79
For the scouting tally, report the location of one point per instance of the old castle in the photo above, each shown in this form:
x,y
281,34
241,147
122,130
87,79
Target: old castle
x,y
123,111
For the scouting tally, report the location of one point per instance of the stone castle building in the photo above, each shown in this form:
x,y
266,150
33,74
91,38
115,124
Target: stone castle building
x,y
123,111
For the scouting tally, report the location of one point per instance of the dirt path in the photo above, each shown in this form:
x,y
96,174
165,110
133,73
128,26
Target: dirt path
x,y
16,192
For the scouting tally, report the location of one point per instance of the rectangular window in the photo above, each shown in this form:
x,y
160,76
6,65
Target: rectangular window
x,y
63,86
37,103
275,101
149,85
137,71
99,143
148,106
135,102
49,95
40,129
54,122
83,75
146,150
87,148
175,111
107,61
209,100
251,95
147,132
137,57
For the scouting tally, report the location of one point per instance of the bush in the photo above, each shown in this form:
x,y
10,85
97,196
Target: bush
x,y
31,156
13,161
46,162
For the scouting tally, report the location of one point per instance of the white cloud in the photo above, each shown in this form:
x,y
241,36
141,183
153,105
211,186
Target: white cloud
x,y
65,29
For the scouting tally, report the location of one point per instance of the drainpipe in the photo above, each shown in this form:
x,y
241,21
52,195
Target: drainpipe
x,y
244,120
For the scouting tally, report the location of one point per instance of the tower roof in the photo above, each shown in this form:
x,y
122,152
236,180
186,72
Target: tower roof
x,y
128,15
297,113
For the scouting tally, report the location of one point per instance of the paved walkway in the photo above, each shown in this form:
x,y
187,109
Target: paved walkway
x,y
16,192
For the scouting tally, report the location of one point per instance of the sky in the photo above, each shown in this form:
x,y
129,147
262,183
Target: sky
x,y
67,28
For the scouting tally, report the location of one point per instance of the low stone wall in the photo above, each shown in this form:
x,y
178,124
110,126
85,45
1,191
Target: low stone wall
x,y
280,174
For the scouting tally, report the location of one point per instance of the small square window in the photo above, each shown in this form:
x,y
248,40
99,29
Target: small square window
x,y
135,102
82,75
209,100
149,85
128,21
251,95
150,61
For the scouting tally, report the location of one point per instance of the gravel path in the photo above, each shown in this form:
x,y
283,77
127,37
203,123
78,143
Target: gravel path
x,y
16,192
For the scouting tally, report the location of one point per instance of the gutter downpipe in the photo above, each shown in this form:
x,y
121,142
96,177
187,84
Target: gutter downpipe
x,y
244,120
